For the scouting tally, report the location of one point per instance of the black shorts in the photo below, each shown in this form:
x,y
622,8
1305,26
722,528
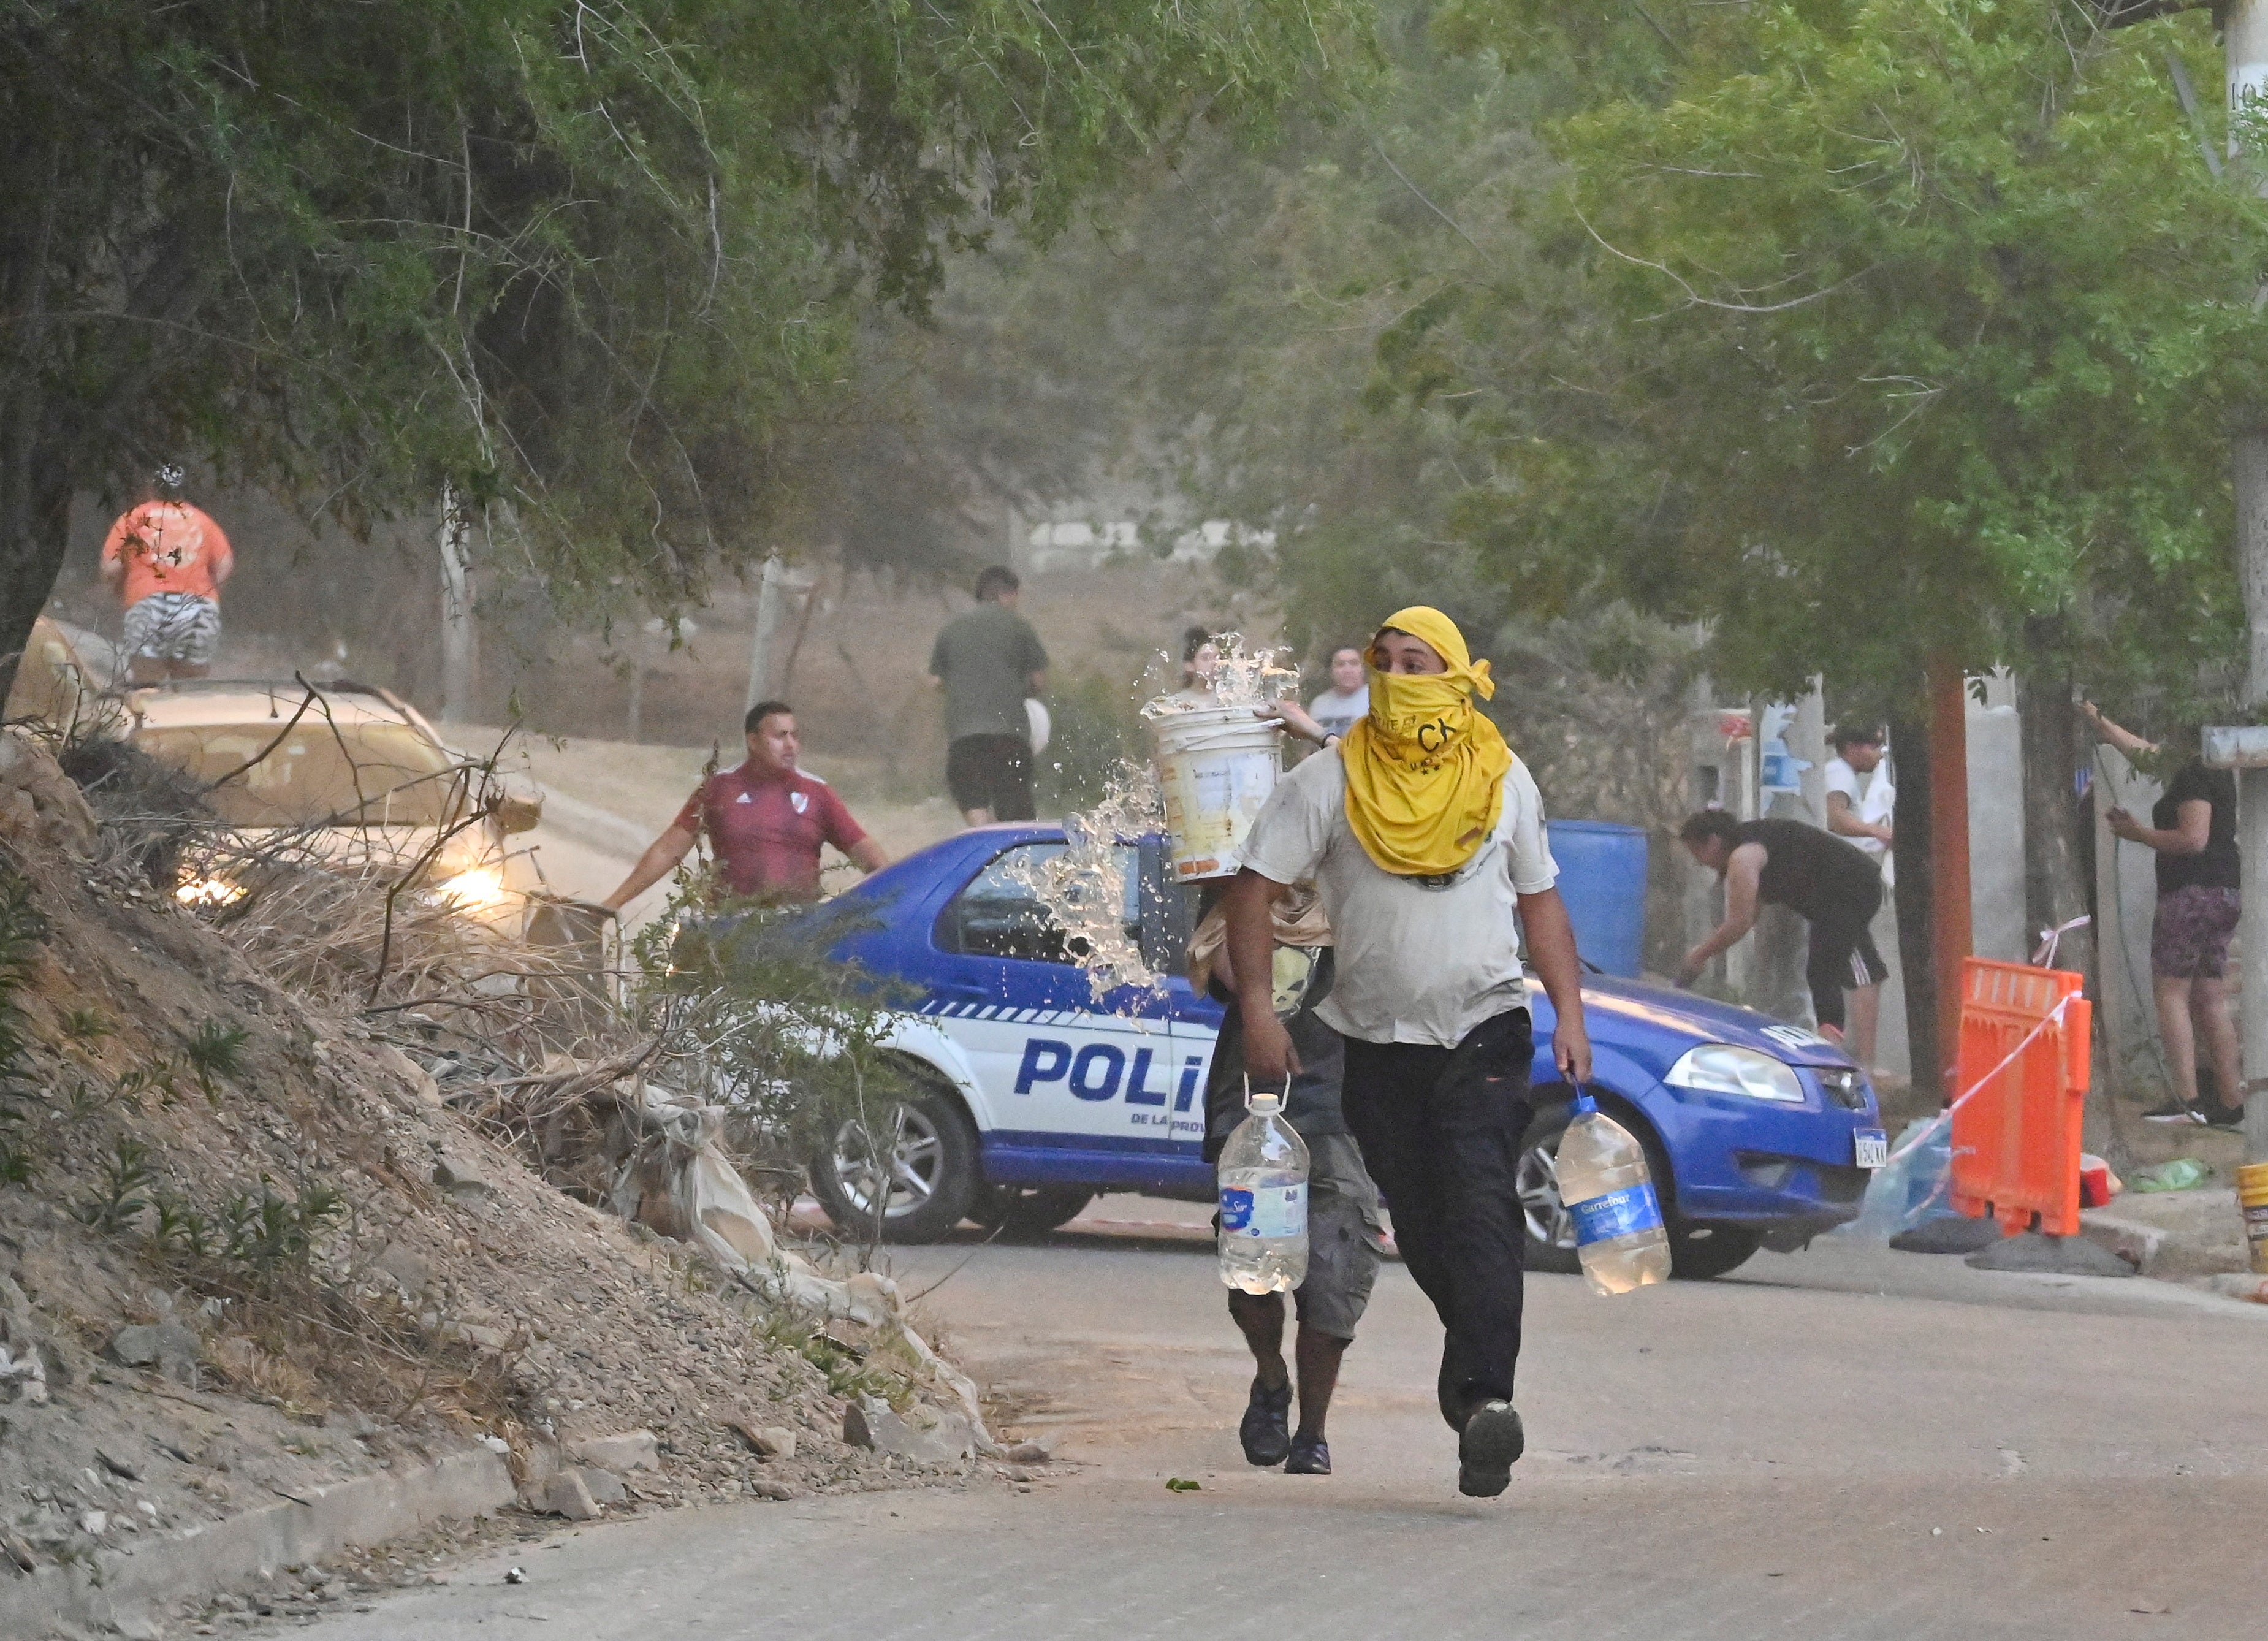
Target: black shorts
x,y
991,772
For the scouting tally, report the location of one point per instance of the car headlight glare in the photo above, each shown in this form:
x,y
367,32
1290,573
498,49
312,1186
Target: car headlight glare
x,y
1719,1068
194,890
475,890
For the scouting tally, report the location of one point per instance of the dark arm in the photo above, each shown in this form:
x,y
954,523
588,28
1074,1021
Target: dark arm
x,y
1268,1054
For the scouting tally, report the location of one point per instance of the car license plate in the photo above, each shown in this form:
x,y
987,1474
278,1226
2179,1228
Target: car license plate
x,y
1874,1147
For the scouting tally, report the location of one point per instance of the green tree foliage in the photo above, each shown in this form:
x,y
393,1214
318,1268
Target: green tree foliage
x,y
581,258
1333,338
1926,323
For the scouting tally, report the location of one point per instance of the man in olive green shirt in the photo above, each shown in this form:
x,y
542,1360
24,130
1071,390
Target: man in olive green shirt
x,y
988,661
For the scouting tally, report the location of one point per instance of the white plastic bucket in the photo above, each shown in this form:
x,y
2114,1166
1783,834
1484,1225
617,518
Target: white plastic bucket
x,y
1215,767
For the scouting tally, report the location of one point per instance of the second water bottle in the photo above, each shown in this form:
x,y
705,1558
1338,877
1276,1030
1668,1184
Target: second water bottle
x,y
1608,1191
1263,1175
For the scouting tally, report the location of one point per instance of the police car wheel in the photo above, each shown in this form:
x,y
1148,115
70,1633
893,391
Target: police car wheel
x,y
1019,1211
918,1167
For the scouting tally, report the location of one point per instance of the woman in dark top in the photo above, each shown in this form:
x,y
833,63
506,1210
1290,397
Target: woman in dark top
x,y
2193,829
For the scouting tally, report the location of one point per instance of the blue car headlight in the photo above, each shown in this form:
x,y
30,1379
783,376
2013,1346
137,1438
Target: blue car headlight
x,y
1719,1068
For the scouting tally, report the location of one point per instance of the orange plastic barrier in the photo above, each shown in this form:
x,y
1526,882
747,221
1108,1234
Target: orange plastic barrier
x,y
2022,1086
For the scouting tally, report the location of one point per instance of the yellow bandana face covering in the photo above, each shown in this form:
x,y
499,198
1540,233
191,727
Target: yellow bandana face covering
x,y
1425,770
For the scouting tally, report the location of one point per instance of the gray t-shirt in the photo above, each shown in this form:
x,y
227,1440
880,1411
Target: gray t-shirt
x,y
1338,712
1419,959
987,657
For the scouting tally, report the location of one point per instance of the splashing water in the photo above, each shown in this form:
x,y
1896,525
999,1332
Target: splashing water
x,y
1090,888
1241,677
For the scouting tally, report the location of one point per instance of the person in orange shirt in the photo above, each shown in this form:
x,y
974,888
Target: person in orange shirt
x,y
166,561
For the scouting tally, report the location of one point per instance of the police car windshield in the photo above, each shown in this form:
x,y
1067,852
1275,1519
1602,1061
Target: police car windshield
x,y
1000,915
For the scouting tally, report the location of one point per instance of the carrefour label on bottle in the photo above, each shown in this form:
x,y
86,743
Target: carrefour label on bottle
x,y
1617,1213
1265,1211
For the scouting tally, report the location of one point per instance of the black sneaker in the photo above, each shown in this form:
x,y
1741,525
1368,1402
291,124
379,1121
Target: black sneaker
x,y
1490,1444
1266,1431
1311,1455
2173,1111
2221,1116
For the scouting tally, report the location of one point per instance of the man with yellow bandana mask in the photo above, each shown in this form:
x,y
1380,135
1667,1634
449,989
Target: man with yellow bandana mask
x,y
1424,836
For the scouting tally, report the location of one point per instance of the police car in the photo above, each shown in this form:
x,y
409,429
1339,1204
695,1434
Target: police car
x,y
1036,1095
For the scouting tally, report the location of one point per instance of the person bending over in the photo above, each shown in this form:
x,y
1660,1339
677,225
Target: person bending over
x,y
1834,886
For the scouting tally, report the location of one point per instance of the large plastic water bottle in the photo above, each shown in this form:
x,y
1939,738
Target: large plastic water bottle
x,y
1264,1200
1608,1193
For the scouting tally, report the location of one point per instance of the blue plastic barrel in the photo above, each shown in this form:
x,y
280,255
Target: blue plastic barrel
x,y
1602,880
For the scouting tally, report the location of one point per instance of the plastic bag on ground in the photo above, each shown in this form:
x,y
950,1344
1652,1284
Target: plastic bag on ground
x,y
2182,1174
681,1182
1915,1185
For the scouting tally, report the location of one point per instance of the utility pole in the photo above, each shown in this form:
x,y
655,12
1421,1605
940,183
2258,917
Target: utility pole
x,y
760,643
459,638
2244,39
1951,935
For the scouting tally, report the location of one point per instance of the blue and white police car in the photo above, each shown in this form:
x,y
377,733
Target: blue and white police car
x,y
1036,1096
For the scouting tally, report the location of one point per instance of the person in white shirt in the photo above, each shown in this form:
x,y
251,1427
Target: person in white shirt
x,y
1424,836
1860,800
1349,696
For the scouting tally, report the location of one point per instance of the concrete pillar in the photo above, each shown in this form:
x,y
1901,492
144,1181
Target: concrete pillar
x,y
1950,913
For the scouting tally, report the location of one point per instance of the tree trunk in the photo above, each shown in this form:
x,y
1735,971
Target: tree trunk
x,y
34,530
2057,879
1917,945
35,495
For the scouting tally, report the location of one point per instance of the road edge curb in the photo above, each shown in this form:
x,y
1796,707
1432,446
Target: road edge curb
x,y
365,1510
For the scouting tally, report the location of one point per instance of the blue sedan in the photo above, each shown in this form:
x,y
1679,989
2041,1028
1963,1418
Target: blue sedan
x,y
1035,1095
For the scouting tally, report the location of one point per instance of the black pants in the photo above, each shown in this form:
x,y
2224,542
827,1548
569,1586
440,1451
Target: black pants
x,y
1440,1130
1843,956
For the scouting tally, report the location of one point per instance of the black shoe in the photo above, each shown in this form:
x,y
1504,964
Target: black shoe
x,y
2172,1111
1311,1455
1490,1446
1266,1431
2218,1116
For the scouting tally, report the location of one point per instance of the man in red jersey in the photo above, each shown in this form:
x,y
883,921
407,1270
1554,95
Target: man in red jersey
x,y
766,821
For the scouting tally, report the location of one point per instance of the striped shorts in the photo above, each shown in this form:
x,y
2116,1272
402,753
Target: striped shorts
x,y
173,626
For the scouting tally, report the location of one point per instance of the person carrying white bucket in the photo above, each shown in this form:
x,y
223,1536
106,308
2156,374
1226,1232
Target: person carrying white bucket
x,y
1218,759
1424,835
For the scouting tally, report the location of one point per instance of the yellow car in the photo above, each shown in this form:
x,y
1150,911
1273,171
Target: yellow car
x,y
52,682
354,775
